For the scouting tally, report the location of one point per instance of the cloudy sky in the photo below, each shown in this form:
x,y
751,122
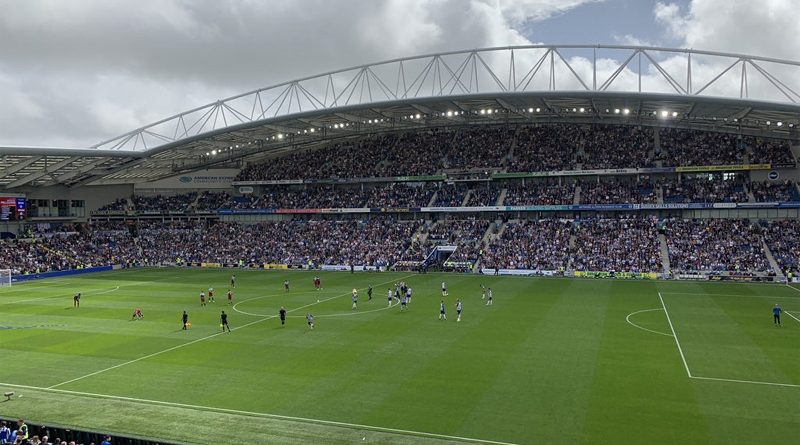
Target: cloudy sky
x,y
75,72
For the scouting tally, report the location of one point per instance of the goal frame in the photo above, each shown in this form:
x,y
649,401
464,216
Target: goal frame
x,y
5,277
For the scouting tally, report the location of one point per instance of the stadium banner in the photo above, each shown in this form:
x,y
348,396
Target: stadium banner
x,y
422,178
58,273
276,266
215,178
522,208
691,276
271,182
335,267
211,265
626,275
716,168
519,272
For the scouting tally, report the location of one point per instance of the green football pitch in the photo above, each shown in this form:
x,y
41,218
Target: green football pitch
x,y
551,361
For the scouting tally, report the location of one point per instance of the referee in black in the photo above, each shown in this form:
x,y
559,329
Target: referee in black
x,y
185,319
282,314
223,320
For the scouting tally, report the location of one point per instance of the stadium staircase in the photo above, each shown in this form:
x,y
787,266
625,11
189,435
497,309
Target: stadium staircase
x,y
569,267
659,194
796,151
467,197
662,242
577,199
750,196
772,262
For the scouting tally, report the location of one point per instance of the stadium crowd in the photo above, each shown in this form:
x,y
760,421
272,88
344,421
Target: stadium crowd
x,y
715,245
535,193
531,244
533,148
617,245
601,244
705,188
769,191
615,191
783,240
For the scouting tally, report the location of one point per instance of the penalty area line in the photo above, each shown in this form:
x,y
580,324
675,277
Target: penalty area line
x,y
144,357
262,415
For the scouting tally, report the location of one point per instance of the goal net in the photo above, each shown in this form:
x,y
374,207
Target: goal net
x,y
5,277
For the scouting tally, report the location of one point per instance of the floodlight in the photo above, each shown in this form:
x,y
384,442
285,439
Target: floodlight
x,y
626,111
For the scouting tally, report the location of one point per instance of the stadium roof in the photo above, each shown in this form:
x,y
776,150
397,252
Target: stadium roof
x,y
523,84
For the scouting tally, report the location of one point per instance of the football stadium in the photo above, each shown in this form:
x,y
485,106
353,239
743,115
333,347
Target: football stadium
x,y
511,245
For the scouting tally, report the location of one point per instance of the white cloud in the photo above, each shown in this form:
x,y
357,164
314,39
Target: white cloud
x,y
91,70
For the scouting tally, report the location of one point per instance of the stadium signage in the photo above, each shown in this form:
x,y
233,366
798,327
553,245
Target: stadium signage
x,y
533,208
220,178
518,175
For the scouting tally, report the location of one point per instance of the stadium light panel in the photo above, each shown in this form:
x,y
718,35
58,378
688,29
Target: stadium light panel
x,y
626,111
208,154
582,110
213,152
538,110
574,110
417,116
449,114
616,110
483,111
674,114
664,113
780,124
280,135
489,111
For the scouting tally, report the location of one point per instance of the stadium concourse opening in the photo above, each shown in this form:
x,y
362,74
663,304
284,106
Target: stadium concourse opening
x,y
579,235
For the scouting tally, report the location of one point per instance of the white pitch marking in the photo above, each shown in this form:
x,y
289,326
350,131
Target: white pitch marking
x,y
677,342
22,287
266,296
730,295
628,319
790,314
61,296
347,314
206,338
790,385
792,287
344,314
263,415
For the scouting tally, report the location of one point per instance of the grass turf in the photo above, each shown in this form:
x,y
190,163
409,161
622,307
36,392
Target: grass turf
x,y
553,360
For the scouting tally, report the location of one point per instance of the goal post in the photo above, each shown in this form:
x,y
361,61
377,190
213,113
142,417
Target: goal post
x,y
5,277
